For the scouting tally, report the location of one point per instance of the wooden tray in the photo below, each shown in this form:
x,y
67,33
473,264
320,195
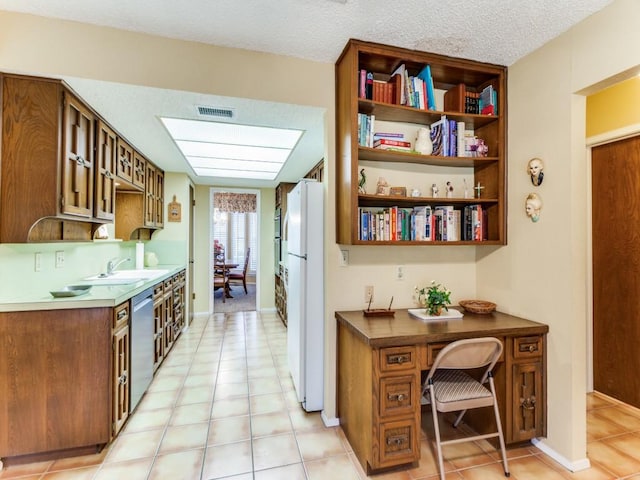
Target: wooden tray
x,y
379,312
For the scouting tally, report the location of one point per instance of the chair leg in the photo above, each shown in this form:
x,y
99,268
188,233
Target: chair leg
x,y
244,284
499,424
459,418
436,429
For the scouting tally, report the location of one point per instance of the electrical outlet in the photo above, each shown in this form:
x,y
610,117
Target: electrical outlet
x,y
60,259
344,258
37,262
368,293
399,273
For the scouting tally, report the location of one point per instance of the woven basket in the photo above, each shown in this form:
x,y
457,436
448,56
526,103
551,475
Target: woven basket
x,y
477,306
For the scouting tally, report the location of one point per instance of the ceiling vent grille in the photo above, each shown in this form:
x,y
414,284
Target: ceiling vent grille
x,y
218,112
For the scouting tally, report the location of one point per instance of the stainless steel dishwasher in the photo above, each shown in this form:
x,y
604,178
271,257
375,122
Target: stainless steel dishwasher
x,y
142,346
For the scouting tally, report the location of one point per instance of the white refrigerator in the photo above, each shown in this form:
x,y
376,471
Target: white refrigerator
x,y
305,292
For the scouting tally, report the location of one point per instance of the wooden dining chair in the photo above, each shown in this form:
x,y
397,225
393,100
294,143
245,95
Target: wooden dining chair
x,y
221,279
241,275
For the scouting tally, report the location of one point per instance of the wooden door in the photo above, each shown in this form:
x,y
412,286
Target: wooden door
x,y
616,269
78,158
158,209
139,170
106,161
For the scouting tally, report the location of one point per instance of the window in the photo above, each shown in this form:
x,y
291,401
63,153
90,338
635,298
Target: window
x,y
237,232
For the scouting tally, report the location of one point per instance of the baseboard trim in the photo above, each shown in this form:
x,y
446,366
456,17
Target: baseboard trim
x,y
574,466
329,422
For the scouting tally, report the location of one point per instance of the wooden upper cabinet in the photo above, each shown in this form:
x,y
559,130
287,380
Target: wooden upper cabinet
x,y
105,176
150,196
124,168
139,170
78,158
159,199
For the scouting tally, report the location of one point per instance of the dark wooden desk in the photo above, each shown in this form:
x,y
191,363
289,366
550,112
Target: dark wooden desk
x,y
380,365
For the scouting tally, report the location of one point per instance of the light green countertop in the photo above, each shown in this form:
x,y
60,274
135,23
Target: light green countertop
x,y
98,296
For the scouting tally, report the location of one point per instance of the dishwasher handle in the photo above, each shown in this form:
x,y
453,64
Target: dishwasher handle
x,y
141,304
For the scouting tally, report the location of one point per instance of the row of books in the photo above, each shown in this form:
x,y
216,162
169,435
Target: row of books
x,y
418,92
459,99
401,89
451,138
423,224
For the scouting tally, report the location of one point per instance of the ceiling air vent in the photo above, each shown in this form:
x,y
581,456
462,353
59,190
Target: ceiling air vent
x,y
217,112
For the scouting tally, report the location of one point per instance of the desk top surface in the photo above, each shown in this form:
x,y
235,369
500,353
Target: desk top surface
x,y
405,329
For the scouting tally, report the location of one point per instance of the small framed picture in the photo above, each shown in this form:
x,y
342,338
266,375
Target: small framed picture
x,y
398,191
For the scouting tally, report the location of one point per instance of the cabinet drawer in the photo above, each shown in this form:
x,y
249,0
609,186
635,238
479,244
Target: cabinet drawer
x,y
120,316
398,395
398,443
433,349
527,347
398,358
158,290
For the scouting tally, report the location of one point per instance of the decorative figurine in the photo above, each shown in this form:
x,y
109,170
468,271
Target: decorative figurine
x,y
535,167
482,148
478,188
449,190
415,192
383,187
361,183
532,206
434,190
424,145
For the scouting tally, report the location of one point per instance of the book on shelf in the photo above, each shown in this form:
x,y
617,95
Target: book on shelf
x,y
369,86
400,73
453,139
425,75
460,134
362,83
488,101
389,135
440,136
391,143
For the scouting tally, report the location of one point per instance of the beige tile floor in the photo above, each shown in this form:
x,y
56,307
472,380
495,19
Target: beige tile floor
x,y
222,405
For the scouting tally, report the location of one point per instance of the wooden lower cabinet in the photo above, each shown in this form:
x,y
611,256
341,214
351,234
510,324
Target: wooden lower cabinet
x,y
55,367
379,389
120,368
158,325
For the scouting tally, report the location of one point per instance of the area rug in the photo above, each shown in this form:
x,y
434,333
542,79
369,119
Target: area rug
x,y
241,302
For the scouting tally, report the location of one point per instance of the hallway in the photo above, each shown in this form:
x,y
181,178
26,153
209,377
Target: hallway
x,y
222,406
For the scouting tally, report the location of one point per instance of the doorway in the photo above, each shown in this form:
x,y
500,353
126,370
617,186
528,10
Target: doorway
x,y
615,187
235,242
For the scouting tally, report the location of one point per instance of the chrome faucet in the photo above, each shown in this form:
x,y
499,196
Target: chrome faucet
x,y
114,263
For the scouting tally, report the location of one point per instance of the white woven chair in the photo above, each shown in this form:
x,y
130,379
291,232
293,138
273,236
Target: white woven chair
x,y
451,389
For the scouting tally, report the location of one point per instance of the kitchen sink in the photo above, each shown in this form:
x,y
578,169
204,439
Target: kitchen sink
x,y
124,277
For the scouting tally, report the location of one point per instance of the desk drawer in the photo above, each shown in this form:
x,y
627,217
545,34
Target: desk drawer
x,y
527,347
398,443
393,359
399,395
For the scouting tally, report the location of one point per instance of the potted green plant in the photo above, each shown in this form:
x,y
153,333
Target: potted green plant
x,y
434,298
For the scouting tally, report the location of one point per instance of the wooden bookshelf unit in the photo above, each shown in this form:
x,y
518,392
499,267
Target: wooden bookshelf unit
x,y
451,77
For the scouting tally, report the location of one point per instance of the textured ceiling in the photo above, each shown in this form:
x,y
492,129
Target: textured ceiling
x,y
496,31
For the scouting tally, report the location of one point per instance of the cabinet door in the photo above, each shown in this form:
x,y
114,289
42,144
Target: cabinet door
x,y
139,170
105,179
159,199
528,401
124,169
169,336
150,196
158,330
78,159
120,379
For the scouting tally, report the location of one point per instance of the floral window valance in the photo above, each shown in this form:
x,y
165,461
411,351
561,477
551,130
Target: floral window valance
x,y
235,202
